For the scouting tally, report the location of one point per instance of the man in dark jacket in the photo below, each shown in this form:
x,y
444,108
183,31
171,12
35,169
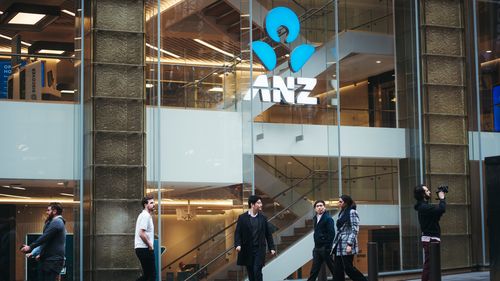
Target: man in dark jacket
x,y
324,233
250,238
53,242
428,217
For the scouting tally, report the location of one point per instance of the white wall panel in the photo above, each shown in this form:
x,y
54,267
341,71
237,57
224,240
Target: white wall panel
x,y
37,140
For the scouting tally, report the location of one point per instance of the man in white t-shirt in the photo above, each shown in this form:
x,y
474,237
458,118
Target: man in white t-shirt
x,y
144,237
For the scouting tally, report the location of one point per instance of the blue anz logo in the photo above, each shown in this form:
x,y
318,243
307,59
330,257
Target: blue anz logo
x,y
277,17
277,89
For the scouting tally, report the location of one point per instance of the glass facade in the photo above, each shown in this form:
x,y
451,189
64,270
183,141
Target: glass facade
x,y
41,109
203,103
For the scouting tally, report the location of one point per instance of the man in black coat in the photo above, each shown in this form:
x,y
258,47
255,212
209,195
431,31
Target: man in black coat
x,y
53,242
324,233
428,217
250,239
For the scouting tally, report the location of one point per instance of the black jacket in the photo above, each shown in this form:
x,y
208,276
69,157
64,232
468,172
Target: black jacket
x,y
324,231
428,217
243,237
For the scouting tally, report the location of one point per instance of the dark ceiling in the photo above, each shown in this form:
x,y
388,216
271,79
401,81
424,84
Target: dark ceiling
x,y
61,30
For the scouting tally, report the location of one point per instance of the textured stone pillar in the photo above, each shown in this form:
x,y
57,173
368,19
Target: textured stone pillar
x,y
114,141
445,121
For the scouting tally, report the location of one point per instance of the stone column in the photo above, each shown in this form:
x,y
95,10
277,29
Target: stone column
x,y
115,137
445,127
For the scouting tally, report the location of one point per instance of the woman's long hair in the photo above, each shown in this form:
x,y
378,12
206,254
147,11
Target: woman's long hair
x,y
350,204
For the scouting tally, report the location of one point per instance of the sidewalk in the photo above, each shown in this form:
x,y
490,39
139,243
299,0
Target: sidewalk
x,y
470,276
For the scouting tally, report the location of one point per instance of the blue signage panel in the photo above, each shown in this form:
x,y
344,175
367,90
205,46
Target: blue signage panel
x,y
6,70
496,107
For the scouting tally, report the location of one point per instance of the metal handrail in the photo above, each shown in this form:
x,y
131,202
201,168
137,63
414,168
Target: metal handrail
x,y
271,166
234,222
270,219
368,22
301,163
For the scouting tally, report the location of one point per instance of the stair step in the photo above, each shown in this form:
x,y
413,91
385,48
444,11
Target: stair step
x,y
233,274
302,230
291,238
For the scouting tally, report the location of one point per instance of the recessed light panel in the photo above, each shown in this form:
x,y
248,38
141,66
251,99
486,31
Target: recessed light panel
x,y
51,52
26,18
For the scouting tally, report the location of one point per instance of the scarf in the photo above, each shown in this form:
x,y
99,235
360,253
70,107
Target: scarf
x,y
344,217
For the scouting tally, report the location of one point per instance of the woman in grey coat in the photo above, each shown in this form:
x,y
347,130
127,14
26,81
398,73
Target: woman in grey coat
x,y
345,244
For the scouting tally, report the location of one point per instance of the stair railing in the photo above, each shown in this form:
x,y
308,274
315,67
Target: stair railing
x,y
301,198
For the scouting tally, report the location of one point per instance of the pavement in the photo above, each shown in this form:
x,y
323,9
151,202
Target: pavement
x,y
470,276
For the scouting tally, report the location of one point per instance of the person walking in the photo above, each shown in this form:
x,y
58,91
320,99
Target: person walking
x,y
144,239
324,233
250,238
345,244
53,244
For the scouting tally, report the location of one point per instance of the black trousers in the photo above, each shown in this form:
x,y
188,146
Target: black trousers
x,y
426,270
50,270
254,269
147,259
344,264
320,256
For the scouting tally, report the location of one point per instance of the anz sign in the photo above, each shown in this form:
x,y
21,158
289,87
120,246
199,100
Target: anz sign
x,y
292,90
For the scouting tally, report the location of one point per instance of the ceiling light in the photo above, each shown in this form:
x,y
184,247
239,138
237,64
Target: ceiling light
x,y
60,183
378,61
6,186
17,187
148,85
214,48
10,38
67,91
221,203
51,47
488,51
66,194
163,51
51,52
216,89
68,12
28,17
14,196
30,200
5,37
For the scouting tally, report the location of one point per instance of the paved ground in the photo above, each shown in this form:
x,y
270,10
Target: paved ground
x,y
471,276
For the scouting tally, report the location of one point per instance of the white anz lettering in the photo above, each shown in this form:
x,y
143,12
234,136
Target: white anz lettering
x,y
303,96
282,91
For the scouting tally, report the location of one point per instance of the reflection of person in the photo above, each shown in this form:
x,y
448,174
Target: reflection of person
x,y
324,232
428,217
52,242
346,241
143,240
6,236
250,239
187,267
